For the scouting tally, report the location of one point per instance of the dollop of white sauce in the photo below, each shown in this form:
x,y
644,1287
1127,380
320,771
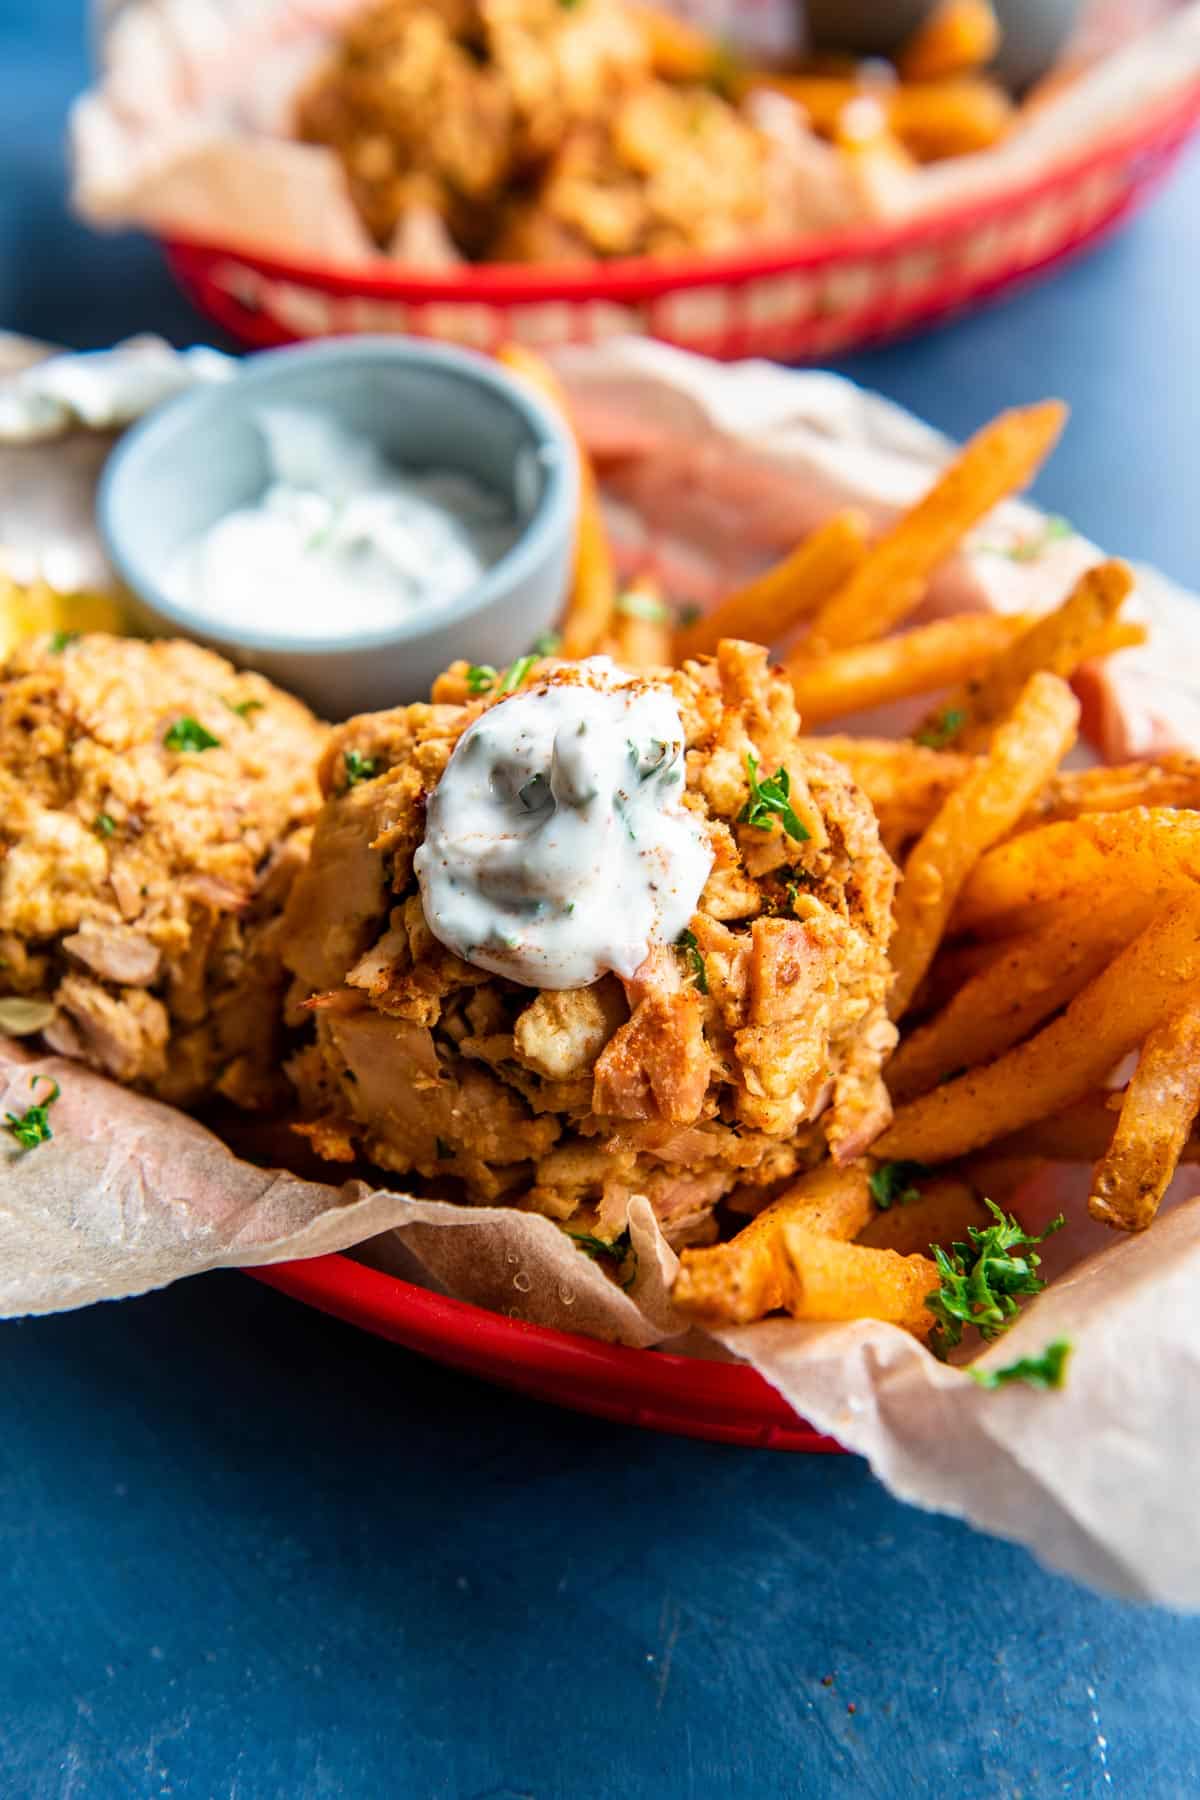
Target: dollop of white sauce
x,y
556,845
340,540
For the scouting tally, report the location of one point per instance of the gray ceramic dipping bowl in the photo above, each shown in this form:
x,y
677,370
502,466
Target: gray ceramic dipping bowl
x,y
200,456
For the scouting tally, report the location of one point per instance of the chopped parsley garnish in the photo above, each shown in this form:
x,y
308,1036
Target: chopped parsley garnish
x,y
516,672
634,604
686,941
481,678
941,729
359,767
982,1281
188,734
104,825
243,708
769,800
618,1251
546,643
1049,1370
59,641
32,1127
895,1183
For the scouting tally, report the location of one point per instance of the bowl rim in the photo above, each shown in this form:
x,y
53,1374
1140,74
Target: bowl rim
x,y
552,517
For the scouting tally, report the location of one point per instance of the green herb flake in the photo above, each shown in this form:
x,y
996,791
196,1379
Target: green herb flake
x,y
32,1127
61,640
481,678
769,800
691,614
1029,549
359,767
633,604
546,643
187,734
1049,1370
619,1251
686,941
515,674
243,708
982,1281
942,729
895,1183
104,825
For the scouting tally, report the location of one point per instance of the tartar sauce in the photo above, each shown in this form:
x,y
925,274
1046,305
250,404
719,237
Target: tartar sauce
x,y
556,843
340,540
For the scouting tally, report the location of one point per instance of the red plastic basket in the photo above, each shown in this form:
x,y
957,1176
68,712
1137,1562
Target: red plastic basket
x,y
808,300
727,1402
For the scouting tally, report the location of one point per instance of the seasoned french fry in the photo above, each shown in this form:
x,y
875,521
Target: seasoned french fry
x,y
892,668
1103,855
1026,982
1157,1114
678,50
766,609
589,611
1059,642
931,120
956,36
642,626
825,1279
997,461
947,1205
743,1279
1148,982
905,783
1026,750
1172,780
1080,1133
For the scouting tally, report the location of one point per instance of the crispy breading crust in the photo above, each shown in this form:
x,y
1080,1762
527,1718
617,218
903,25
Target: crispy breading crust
x,y
569,1103
141,888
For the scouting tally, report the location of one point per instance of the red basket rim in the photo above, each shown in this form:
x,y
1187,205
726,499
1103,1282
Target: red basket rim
x,y
1172,115
562,1366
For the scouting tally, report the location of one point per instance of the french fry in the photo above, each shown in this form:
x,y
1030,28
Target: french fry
x,y
893,668
997,461
735,1282
947,1205
642,626
825,1279
956,36
1172,780
905,783
1080,1133
1059,642
1026,982
1160,1106
931,120
1148,982
678,50
1103,855
589,612
767,608
1026,750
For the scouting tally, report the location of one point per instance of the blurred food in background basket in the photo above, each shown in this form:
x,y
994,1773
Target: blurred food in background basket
x,y
483,170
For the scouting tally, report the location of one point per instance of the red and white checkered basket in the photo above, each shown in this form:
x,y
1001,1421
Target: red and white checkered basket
x,y
808,300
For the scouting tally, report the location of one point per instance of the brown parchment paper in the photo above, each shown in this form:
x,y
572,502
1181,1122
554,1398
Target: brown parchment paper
x,y
1099,1480
184,132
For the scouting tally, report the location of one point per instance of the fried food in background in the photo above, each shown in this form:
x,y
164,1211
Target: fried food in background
x,y
153,802
732,1061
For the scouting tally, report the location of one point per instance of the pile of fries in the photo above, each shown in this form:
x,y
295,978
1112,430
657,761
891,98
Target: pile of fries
x,y
1047,920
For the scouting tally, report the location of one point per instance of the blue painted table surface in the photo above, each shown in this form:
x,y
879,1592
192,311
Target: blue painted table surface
x,y
247,1552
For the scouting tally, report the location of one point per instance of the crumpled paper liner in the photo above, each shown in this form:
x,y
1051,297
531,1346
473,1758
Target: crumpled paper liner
x,y
1098,1480
184,134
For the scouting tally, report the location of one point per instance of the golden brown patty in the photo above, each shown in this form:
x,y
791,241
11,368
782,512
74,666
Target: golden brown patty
x,y
152,806
731,1060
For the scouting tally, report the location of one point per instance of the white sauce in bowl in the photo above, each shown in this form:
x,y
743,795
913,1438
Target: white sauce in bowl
x,y
341,540
556,843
